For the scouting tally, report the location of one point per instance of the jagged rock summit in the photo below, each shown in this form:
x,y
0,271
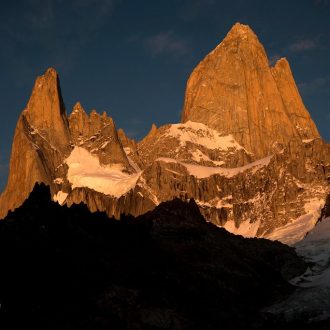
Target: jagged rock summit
x,y
47,142
41,141
45,110
247,150
235,91
98,134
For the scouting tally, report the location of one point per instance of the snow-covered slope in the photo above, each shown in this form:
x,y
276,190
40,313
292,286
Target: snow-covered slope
x,y
296,230
85,171
312,299
315,247
261,198
289,234
193,143
200,134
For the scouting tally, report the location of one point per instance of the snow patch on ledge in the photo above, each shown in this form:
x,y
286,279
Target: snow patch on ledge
x,y
202,135
296,230
85,171
60,197
307,140
202,172
246,228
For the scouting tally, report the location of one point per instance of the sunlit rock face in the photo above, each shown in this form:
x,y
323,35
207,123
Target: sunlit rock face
x,y
235,91
45,138
41,141
98,134
247,150
45,110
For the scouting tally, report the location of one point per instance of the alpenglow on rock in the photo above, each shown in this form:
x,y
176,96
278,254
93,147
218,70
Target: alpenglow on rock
x,y
41,141
235,91
246,150
98,134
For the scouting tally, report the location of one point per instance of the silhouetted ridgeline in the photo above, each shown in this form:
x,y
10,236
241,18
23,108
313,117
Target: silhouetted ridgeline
x,y
67,268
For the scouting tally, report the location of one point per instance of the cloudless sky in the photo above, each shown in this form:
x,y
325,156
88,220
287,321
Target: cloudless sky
x,y
132,58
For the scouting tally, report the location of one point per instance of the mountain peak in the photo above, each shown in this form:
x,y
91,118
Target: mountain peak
x,y
45,110
240,37
77,108
48,80
51,72
241,30
153,128
94,114
46,89
41,141
235,91
282,63
241,33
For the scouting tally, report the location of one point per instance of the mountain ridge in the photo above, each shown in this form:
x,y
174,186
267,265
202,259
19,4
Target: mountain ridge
x,y
246,150
234,90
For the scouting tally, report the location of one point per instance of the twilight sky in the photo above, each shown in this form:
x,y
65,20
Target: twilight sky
x,y
132,58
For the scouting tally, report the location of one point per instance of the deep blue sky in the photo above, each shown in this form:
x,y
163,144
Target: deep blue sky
x,y
132,58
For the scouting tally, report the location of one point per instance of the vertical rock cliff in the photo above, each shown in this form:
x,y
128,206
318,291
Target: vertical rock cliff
x,y
41,141
235,91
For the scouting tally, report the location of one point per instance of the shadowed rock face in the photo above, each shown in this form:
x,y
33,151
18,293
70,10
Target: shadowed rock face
x,y
234,90
67,268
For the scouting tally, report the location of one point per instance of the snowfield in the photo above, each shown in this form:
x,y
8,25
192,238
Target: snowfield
x,y
85,171
296,230
202,172
315,247
202,135
313,296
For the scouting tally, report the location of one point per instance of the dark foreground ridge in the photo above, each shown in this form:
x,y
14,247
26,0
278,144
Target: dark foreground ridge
x,y
67,268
